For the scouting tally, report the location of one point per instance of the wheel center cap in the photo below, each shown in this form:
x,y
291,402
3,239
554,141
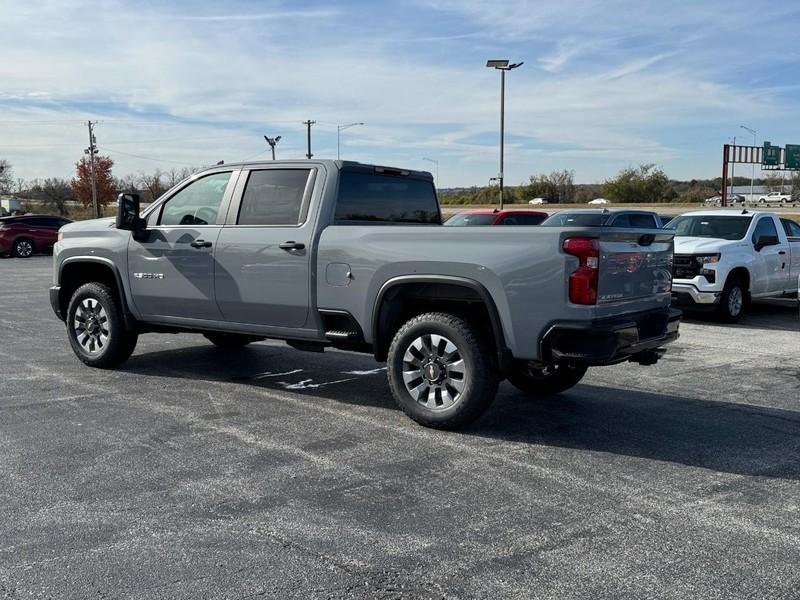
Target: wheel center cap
x,y
432,371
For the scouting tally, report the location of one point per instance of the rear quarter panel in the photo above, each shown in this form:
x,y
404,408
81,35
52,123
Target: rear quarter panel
x,y
522,268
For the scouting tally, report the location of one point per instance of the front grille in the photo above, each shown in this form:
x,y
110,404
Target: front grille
x,y
685,266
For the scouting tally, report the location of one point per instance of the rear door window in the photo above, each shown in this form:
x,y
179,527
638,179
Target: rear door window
x,y
792,229
365,197
274,197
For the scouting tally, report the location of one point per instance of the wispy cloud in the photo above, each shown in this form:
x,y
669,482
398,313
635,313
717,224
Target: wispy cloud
x,y
602,85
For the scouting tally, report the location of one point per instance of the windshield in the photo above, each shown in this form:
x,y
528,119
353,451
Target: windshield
x,y
467,219
711,226
566,219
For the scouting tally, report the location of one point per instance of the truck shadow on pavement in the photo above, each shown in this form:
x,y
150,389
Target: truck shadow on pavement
x,y
726,437
779,315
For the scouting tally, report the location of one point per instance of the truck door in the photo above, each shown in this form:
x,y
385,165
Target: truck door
x,y
171,270
772,261
263,252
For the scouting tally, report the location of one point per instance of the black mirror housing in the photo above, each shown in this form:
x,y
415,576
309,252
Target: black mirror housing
x,y
766,240
128,218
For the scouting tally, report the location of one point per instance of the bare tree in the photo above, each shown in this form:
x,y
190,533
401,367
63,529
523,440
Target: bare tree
x,y
53,192
152,185
6,177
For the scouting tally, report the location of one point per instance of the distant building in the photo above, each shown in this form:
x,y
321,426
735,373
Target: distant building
x,y
10,203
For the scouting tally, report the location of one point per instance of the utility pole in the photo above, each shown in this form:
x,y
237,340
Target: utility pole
x,y
753,175
91,151
308,124
272,143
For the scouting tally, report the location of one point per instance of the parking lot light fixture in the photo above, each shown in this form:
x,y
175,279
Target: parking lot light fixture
x,y
436,163
339,130
502,65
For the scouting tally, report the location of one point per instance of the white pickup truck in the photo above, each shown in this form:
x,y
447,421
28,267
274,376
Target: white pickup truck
x,y
777,199
723,258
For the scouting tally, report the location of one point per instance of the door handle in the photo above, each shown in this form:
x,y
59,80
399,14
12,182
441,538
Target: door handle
x,y
782,252
198,243
291,245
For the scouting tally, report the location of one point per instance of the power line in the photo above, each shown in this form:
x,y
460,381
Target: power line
x,y
175,162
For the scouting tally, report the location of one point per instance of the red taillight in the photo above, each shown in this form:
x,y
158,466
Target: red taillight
x,y
583,282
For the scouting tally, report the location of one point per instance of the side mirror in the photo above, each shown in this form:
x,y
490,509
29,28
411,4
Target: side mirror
x,y
128,218
765,240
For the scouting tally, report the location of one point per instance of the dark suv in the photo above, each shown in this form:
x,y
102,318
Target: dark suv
x,y
22,236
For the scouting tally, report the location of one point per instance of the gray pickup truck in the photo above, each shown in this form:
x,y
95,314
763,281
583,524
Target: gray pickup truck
x,y
335,254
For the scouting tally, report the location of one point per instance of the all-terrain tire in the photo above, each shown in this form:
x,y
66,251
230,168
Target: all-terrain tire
x,y
96,327
441,370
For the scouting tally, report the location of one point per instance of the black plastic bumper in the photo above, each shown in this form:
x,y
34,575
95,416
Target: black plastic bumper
x,y
55,292
609,341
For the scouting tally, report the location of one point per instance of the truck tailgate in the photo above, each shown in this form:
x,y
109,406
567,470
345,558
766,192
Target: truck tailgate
x,y
634,264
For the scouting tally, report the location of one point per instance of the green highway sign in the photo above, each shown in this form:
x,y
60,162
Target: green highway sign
x,y
771,156
792,160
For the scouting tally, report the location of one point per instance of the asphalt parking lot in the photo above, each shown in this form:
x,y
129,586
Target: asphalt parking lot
x,y
194,472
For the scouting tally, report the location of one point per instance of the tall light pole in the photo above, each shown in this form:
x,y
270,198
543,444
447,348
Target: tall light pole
x,y
753,175
435,162
272,143
502,66
733,170
339,130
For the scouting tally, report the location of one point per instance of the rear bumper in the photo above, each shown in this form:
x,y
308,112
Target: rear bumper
x,y
636,337
55,292
686,294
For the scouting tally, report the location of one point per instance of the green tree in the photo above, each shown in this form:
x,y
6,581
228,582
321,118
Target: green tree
x,y
633,185
557,185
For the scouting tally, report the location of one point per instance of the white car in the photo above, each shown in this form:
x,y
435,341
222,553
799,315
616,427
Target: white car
x,y
725,257
599,201
538,201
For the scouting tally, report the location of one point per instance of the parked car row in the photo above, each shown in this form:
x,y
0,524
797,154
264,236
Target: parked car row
x,y
723,258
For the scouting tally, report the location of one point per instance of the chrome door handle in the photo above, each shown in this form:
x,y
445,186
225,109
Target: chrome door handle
x,y
198,243
292,245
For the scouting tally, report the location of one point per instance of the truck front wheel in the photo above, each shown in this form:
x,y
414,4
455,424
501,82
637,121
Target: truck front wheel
x,y
96,327
732,300
441,371
539,380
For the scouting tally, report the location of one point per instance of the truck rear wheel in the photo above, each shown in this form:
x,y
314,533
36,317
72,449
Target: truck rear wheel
x,y
538,380
732,300
441,371
96,327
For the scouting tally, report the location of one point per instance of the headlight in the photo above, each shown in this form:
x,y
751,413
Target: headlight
x,y
705,259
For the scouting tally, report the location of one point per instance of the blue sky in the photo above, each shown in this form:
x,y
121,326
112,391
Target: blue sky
x,y
604,84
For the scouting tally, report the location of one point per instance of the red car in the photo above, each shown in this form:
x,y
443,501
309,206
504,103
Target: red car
x,y
22,236
488,216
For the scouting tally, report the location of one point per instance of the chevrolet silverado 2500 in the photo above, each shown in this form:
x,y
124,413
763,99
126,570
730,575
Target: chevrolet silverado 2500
x,y
334,254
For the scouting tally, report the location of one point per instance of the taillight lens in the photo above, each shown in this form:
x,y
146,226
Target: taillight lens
x,y
583,282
